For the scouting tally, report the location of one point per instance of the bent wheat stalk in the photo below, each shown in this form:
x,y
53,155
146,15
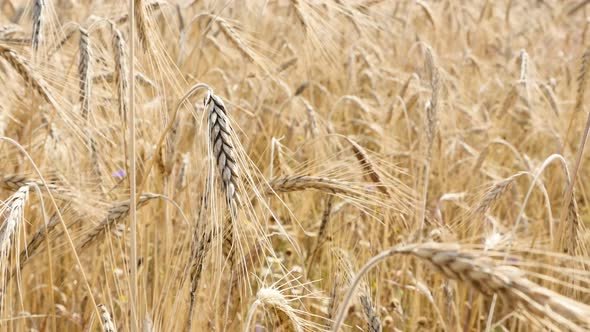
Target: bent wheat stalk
x,y
488,278
300,183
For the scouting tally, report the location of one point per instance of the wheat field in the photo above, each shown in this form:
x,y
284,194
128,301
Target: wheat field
x,y
294,165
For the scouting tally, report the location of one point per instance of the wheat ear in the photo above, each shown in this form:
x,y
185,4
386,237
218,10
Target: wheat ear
x,y
345,265
322,231
432,119
432,106
13,209
23,68
37,239
367,165
84,72
142,25
107,321
580,92
486,277
116,213
272,299
493,194
301,183
14,182
38,18
121,71
220,141
373,320
200,245
311,118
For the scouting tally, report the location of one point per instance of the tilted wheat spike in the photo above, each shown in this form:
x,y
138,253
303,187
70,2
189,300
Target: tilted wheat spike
x,y
14,182
223,150
116,213
302,182
23,68
37,239
142,25
367,165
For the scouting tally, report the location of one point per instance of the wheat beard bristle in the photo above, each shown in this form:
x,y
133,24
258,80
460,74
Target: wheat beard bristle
x,y
221,144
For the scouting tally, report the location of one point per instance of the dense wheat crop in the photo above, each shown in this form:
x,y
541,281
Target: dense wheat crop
x,y
294,165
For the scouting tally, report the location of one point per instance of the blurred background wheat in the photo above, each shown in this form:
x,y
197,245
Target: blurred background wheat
x,y
302,165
